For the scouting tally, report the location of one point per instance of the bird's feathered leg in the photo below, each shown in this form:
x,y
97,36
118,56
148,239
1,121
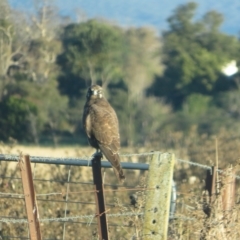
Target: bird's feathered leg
x,y
98,153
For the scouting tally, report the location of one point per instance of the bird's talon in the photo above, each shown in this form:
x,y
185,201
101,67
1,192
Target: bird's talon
x,y
97,154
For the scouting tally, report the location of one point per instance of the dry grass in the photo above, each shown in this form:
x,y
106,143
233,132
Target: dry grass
x,y
61,151
191,221
81,195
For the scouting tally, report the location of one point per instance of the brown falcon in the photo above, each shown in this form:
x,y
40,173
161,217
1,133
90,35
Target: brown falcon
x,y
101,125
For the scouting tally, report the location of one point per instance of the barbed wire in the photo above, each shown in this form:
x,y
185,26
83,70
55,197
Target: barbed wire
x,y
52,180
83,191
63,181
140,154
19,238
86,217
12,194
194,164
67,219
204,167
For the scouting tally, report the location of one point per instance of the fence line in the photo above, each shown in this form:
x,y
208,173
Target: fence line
x,y
105,164
88,217
194,163
75,161
85,162
68,219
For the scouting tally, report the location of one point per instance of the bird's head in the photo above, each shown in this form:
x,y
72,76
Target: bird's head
x,y
95,91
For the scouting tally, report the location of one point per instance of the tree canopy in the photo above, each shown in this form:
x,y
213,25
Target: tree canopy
x,y
158,83
195,51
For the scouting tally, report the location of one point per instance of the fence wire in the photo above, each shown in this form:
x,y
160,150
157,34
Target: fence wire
x,y
62,194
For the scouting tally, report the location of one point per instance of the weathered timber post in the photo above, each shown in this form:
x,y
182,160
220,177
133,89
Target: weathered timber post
x,y
228,180
229,189
30,198
157,206
218,202
99,196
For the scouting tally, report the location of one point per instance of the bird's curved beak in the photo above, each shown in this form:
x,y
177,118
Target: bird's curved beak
x,y
95,92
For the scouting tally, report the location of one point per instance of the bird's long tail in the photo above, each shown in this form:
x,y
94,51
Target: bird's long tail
x,y
114,159
119,173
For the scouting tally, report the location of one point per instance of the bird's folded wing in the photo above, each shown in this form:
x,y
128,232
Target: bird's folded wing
x,y
104,126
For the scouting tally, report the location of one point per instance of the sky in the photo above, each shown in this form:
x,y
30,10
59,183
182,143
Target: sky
x,y
140,12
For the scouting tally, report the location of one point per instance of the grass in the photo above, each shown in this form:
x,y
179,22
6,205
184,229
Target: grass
x,y
191,221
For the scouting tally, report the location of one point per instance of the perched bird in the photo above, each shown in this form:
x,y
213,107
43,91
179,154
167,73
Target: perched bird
x,y
101,125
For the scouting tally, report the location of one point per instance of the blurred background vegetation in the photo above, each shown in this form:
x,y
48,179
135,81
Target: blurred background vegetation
x,y
159,84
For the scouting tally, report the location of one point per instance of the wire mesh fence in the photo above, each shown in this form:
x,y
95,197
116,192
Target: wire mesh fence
x,y
65,196
66,201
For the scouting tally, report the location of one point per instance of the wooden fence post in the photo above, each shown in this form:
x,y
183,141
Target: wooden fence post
x,y
218,203
229,190
30,198
211,183
100,201
157,206
228,181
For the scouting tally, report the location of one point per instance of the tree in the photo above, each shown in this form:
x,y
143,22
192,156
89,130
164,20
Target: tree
x,y
41,83
141,60
230,102
15,121
140,121
52,110
28,72
10,51
45,45
195,53
92,53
